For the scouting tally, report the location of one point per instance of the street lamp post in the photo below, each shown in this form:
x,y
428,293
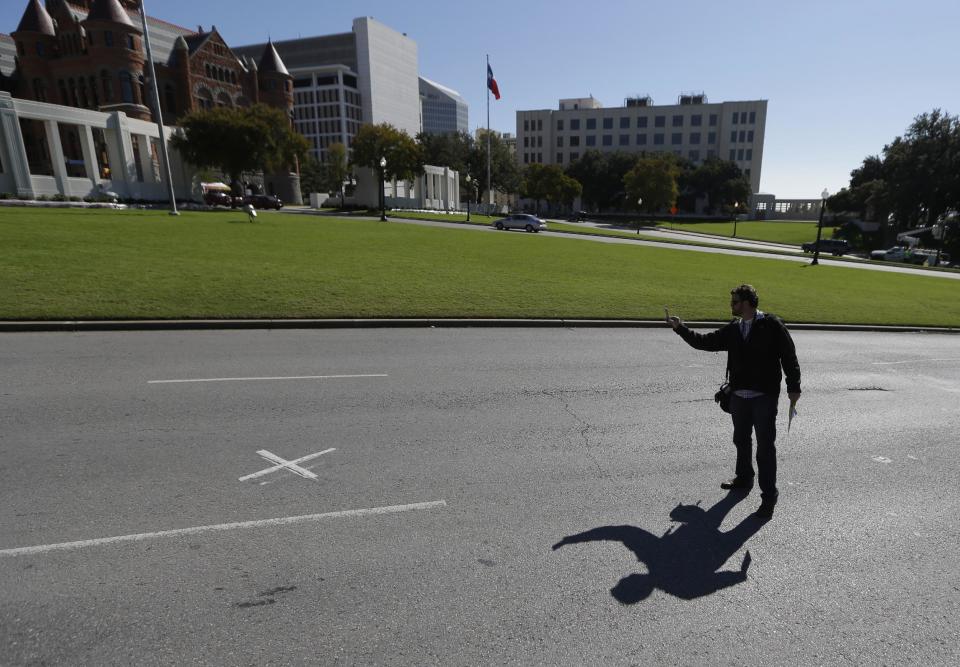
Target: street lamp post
x,y
639,204
816,247
383,189
736,208
469,194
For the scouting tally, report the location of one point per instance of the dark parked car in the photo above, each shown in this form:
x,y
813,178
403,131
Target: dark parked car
x,y
217,198
835,247
263,201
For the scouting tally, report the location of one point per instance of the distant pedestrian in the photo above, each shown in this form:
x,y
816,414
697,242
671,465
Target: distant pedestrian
x,y
758,345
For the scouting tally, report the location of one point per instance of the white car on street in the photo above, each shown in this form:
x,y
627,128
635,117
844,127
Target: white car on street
x,y
530,223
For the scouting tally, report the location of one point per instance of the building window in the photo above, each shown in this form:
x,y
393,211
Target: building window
x,y
743,136
695,138
749,154
37,147
740,154
678,120
713,120
695,155
559,142
72,152
540,127
608,123
659,121
591,123
526,126
711,137
736,117
560,158
591,140
658,139
540,158
131,43
696,120
560,125
753,117
126,87
733,136
642,121
733,154
746,172
40,49
641,140
711,154
540,142
574,141
526,142
170,98
676,139
624,122
108,37
39,90
750,136
574,157
608,140
526,158
574,123
624,140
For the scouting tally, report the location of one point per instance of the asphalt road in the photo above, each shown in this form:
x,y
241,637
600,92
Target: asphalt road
x,y
514,439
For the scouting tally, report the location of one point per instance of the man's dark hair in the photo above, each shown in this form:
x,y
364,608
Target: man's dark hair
x,y
746,293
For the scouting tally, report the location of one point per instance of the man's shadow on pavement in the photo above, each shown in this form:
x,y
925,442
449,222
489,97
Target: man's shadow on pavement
x,y
683,562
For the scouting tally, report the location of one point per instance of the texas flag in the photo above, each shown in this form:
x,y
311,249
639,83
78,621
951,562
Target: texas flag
x,y
492,83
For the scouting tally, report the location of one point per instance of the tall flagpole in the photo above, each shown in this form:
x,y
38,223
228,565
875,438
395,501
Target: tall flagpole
x,y
156,110
489,184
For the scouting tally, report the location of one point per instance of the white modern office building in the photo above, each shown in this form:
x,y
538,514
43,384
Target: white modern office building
x,y
341,81
442,109
692,128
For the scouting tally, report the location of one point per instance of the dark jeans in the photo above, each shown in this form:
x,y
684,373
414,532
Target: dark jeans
x,y
756,414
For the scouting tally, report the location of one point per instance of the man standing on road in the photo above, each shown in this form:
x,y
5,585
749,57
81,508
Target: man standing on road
x,y
758,345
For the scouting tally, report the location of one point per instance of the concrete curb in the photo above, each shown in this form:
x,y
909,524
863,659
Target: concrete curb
x,y
187,325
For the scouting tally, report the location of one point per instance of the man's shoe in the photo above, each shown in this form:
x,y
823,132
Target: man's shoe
x,y
737,483
765,511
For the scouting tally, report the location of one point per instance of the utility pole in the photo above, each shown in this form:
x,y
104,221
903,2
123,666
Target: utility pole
x,y
157,112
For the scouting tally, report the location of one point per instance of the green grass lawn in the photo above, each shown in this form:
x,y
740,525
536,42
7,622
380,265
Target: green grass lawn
x,y
791,233
84,264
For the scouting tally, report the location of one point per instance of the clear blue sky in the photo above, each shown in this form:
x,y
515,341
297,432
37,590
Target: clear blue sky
x,y
842,78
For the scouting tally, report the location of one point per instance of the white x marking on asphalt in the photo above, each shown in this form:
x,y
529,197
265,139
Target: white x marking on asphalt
x,y
284,464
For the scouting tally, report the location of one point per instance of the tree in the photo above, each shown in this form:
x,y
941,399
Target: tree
x,y
601,177
721,182
335,169
654,180
505,175
917,179
452,149
235,140
403,154
311,177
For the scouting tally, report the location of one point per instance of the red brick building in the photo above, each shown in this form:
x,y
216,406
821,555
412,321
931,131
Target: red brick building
x,y
91,54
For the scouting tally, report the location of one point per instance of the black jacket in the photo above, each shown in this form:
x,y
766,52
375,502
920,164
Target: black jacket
x,y
754,363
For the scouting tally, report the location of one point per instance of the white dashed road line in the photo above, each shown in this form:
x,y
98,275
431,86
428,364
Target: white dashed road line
x,y
281,521
253,379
